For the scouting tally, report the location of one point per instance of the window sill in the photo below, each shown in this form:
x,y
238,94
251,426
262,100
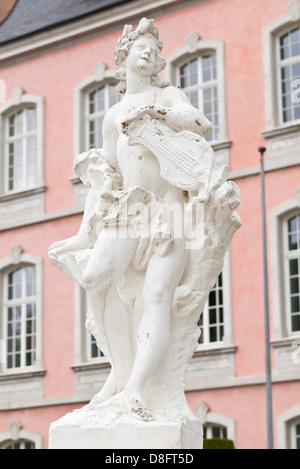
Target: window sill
x,y
286,354
211,362
96,364
283,145
22,374
21,206
22,194
214,349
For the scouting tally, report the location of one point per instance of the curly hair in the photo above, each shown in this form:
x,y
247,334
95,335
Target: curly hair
x,y
125,42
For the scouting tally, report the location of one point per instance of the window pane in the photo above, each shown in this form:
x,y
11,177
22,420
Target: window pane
x,y
295,304
296,323
31,119
289,45
296,70
100,100
30,281
297,427
15,284
21,318
293,267
113,95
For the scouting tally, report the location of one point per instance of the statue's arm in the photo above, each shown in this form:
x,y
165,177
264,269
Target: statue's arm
x,y
181,115
176,112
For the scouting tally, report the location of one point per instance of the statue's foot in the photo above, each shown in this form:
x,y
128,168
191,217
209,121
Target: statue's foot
x,y
134,404
108,390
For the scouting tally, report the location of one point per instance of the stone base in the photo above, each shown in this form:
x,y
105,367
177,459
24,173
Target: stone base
x,y
97,428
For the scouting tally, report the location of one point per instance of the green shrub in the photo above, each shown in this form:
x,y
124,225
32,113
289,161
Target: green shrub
x,y
217,443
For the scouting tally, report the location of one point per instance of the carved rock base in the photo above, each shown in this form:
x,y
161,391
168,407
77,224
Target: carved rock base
x,y
101,428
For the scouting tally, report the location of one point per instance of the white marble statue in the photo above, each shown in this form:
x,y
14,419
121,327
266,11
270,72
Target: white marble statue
x,y
158,219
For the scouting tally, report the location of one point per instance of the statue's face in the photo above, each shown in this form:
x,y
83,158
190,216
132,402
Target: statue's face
x,y
142,56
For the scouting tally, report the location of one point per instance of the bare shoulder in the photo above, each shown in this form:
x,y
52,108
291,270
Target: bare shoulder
x,y
172,95
112,112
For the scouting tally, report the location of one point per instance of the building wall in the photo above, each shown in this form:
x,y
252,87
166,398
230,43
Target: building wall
x,y
54,73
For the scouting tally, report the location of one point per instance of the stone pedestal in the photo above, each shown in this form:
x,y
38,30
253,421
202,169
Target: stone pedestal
x,y
102,428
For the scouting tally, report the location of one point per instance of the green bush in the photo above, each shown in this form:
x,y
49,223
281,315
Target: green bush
x,y
217,443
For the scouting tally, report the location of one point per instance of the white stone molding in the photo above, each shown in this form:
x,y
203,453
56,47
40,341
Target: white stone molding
x,y
284,421
194,47
277,217
202,410
294,10
270,34
20,99
30,201
18,257
101,75
17,433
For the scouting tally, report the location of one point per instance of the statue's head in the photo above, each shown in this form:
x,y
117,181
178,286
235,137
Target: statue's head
x,y
147,28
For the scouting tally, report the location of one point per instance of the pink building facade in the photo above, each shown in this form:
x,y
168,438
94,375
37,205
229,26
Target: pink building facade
x,y
239,61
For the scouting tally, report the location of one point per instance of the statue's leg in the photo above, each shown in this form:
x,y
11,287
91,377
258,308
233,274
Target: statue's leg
x,y
162,277
108,262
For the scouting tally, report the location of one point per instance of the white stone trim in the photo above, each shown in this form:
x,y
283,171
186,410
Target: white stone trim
x,y
277,217
195,47
203,412
16,433
270,34
18,101
283,423
16,258
101,76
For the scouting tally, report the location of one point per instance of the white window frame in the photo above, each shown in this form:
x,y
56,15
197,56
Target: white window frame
x,y
25,185
16,434
279,64
271,34
286,423
202,411
196,48
201,86
227,309
101,77
21,100
293,435
278,217
20,259
287,256
100,114
82,336
21,302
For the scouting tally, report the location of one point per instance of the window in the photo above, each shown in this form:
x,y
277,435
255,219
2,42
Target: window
x,y
93,96
91,366
97,102
20,317
288,54
198,68
292,272
212,320
21,150
215,425
22,444
198,78
93,350
21,127
18,438
295,435
214,431
288,433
